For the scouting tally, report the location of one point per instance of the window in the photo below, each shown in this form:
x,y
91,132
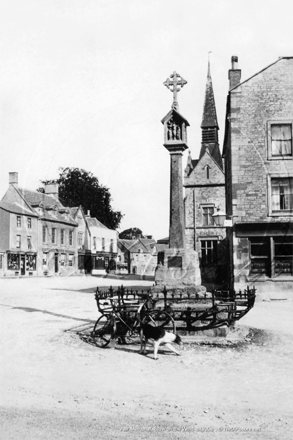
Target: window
x,y
271,256
280,139
18,241
53,235
103,244
281,194
111,245
209,251
62,236
29,242
260,256
1,261
29,223
31,262
44,234
13,261
207,215
79,239
207,172
283,251
18,221
95,243
70,238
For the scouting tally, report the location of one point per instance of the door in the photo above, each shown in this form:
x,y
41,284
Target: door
x,y
22,264
56,263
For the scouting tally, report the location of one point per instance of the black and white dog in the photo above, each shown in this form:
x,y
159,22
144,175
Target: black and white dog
x,y
160,336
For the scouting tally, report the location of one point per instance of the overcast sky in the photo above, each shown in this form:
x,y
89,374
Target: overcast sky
x,y
81,85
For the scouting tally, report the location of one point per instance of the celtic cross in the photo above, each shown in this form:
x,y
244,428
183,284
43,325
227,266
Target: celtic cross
x,y
175,84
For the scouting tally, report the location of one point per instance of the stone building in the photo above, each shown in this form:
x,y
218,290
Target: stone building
x,y
258,159
38,234
204,182
83,240
103,247
138,256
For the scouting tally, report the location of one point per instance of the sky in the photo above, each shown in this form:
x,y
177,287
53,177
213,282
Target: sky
x,y
81,85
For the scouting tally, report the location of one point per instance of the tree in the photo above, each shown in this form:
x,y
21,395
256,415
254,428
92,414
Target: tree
x,y
131,233
78,187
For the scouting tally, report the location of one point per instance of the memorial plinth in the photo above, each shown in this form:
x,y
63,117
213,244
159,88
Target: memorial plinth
x,y
180,268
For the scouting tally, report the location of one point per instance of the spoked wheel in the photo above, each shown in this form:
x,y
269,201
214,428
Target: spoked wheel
x,y
103,331
160,318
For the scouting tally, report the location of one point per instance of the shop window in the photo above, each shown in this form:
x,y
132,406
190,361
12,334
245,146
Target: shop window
x,y
209,251
283,252
280,139
281,194
260,256
29,223
18,221
207,215
30,262
13,262
18,241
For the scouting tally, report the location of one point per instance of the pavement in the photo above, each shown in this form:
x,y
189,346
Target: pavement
x,y
54,384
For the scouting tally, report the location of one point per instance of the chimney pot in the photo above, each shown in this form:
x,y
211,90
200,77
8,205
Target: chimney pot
x,y
52,189
234,60
13,178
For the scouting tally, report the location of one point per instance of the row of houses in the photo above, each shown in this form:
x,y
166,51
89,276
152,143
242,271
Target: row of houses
x,y
239,204
40,237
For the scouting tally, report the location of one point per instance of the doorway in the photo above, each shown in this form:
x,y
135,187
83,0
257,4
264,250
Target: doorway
x,y
22,264
56,263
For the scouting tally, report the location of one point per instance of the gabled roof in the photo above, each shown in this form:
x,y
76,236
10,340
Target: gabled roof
x,y
17,209
207,152
92,221
270,65
175,113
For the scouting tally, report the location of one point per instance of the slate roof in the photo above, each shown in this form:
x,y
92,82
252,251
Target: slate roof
x,y
92,221
53,208
34,198
16,209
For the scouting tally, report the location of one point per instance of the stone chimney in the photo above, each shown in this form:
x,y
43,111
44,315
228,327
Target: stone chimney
x,y
13,178
234,73
88,214
52,189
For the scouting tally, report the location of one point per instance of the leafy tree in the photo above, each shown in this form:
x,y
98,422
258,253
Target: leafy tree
x,y
78,187
128,234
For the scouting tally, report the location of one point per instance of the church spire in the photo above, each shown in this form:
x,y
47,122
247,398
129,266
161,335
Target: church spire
x,y
209,125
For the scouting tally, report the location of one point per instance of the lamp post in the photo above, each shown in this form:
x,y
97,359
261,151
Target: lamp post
x,y
219,217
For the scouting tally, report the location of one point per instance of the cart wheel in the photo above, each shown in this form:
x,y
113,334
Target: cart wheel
x,y
160,318
103,330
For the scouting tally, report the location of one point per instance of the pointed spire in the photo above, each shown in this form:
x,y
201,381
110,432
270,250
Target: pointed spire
x,y
209,125
209,117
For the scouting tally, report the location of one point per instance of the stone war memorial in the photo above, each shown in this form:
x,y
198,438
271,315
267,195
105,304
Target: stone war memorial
x,y
179,270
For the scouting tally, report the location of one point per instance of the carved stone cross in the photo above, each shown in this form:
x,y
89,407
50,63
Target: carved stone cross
x,y
175,84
